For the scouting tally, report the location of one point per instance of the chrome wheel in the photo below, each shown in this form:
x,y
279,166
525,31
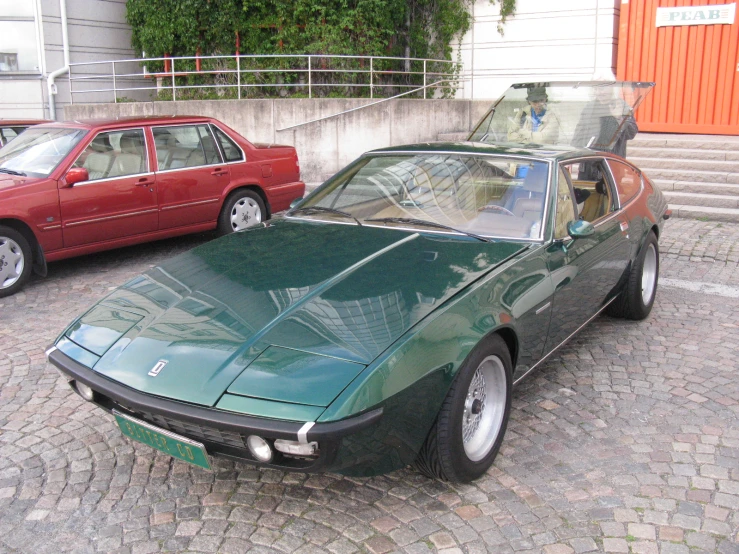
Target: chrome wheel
x,y
649,275
245,213
484,408
11,262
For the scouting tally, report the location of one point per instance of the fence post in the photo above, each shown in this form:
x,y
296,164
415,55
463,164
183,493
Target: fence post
x,y
238,75
174,88
310,83
424,79
372,79
115,94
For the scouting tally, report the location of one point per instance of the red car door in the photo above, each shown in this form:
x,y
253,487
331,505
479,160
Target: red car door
x,y
191,175
119,199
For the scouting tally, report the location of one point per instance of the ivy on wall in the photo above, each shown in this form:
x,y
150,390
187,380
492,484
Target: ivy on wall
x,y
415,28
387,28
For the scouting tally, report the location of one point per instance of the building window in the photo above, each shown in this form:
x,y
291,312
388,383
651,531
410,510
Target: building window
x,y
19,43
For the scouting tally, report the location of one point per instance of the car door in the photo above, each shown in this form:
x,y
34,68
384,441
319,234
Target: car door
x,y
585,270
119,199
629,183
191,175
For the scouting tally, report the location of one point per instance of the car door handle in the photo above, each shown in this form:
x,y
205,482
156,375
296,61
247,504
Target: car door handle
x,y
144,182
218,172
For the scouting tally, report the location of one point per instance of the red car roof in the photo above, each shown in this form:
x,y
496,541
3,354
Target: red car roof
x,y
18,122
129,121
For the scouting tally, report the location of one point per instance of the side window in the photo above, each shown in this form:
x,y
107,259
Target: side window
x,y
230,150
115,154
9,133
592,191
565,206
628,181
185,146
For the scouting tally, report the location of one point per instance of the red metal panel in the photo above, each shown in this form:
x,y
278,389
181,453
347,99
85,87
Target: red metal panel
x,y
694,68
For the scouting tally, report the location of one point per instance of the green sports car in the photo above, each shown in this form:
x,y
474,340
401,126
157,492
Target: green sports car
x,y
385,319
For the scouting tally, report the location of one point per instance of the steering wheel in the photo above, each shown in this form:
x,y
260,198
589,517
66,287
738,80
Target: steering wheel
x,y
496,208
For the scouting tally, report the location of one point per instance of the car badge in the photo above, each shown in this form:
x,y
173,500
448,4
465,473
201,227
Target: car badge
x,y
157,368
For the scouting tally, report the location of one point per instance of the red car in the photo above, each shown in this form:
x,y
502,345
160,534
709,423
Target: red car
x,y
74,188
11,128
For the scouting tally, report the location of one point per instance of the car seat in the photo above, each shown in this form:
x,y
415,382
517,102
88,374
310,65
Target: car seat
x,y
528,201
596,205
131,159
97,165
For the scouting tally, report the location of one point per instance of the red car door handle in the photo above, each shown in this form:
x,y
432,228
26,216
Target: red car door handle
x,y
144,182
218,172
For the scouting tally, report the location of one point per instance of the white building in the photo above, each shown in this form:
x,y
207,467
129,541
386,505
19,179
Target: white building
x,y
31,47
545,41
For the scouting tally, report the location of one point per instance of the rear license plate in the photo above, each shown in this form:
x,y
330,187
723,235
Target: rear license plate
x,y
175,445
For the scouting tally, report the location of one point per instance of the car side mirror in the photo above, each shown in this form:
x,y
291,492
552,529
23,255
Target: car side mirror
x,y
295,202
580,228
76,175
577,230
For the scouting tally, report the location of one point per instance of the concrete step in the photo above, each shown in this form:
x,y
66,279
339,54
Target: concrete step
x,y
683,154
692,142
694,199
699,188
705,213
647,164
691,176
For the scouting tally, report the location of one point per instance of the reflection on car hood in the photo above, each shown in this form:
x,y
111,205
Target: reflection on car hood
x,y
8,181
339,291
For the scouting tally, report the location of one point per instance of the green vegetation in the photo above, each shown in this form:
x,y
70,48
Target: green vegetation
x,y
388,28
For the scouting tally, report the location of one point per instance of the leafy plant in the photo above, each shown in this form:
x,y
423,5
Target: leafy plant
x,y
354,28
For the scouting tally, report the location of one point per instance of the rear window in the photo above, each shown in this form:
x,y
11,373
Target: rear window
x,y
231,151
628,181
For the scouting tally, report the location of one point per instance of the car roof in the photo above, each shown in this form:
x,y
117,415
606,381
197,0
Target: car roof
x,y
545,151
18,122
129,121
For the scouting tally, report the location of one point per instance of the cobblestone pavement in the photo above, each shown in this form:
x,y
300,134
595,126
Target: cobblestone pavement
x,y
627,441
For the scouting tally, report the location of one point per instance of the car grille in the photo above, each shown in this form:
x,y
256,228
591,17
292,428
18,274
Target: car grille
x,y
195,431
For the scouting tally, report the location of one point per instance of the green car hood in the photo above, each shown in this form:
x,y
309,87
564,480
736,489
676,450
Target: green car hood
x,y
322,291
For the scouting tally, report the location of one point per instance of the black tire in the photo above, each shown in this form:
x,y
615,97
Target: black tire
x,y
237,199
14,251
444,454
630,303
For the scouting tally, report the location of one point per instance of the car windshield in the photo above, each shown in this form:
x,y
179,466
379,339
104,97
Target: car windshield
x,y
490,196
37,151
581,114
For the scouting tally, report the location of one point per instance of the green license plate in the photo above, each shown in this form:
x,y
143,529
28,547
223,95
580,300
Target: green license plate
x,y
176,446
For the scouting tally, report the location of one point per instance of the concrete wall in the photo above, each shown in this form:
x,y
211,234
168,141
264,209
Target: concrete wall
x,y
545,40
324,147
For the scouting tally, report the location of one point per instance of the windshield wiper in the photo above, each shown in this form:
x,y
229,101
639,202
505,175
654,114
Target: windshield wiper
x,y
12,172
427,223
319,209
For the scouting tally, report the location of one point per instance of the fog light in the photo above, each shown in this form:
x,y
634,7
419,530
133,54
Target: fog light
x,y
259,448
295,448
85,392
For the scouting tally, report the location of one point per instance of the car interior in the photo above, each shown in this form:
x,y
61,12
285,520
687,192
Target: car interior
x,y
498,197
185,146
114,154
592,193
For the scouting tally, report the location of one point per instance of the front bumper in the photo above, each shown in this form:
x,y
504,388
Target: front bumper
x,y
222,433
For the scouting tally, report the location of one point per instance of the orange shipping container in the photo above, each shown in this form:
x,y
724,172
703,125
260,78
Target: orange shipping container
x,y
691,55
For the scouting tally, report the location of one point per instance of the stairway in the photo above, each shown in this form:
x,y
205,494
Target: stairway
x,y
698,174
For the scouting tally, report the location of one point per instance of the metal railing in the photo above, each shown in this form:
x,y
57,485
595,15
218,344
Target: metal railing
x,y
260,76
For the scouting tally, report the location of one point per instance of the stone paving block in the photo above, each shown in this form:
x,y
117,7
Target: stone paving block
x,y
626,437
